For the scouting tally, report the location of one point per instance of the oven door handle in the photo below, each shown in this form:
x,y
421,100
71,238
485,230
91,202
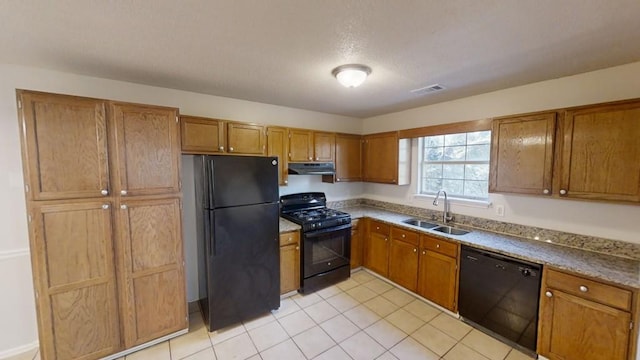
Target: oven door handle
x,y
327,230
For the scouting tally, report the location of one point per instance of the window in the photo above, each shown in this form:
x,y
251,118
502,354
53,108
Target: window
x,y
456,163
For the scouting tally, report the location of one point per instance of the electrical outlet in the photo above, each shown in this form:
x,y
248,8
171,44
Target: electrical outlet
x,y
500,210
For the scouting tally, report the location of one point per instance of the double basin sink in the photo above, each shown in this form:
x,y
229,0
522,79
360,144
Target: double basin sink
x,y
435,227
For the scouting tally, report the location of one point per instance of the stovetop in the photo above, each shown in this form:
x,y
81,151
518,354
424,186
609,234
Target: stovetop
x,y
310,211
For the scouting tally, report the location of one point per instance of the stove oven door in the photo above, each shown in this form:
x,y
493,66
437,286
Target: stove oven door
x,y
326,249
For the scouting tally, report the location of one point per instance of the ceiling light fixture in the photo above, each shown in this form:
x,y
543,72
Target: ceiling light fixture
x,y
352,75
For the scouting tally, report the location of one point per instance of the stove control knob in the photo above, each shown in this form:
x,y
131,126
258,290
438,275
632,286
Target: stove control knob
x,y
319,224
526,272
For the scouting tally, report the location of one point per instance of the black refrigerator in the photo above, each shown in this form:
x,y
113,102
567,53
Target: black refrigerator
x,y
238,237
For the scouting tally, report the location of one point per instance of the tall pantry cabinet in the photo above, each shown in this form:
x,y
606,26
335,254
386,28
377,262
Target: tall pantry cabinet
x,y
102,185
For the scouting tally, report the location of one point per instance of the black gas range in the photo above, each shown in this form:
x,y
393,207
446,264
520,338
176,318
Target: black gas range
x,y
326,239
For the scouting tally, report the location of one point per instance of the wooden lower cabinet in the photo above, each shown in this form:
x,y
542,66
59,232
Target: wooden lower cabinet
x,y
289,261
75,280
376,250
356,244
151,269
403,258
582,319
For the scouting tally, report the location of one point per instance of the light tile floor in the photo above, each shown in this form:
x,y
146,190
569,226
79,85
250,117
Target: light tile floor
x,y
360,318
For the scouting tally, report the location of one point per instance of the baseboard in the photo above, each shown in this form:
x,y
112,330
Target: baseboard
x,y
5,354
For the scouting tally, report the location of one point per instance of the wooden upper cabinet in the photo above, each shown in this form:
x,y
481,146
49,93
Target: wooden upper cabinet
x,y
202,135
74,276
151,269
600,156
522,154
278,145
246,139
380,160
300,145
348,158
324,146
64,146
147,149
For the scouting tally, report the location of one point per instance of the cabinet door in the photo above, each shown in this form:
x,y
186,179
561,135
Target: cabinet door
x,y
438,278
381,158
147,149
246,139
289,268
522,154
202,135
300,145
377,253
348,158
324,145
64,146
572,328
151,269
356,245
600,153
74,274
277,145
403,264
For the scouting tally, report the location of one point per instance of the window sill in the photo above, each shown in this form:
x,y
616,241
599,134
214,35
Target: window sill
x,y
482,204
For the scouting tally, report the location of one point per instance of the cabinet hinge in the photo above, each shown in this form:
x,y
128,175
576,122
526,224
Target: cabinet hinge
x,y
289,136
630,325
19,104
26,187
29,217
36,293
177,121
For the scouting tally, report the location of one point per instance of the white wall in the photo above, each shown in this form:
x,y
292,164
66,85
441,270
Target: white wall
x,y
611,221
18,326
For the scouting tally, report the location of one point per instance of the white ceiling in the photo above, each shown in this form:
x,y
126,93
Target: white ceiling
x,y
282,51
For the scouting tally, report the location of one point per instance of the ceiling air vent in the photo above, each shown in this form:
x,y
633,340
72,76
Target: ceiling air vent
x,y
428,89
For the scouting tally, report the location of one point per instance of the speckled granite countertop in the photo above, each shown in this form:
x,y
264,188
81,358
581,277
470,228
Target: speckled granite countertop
x,y
286,226
616,269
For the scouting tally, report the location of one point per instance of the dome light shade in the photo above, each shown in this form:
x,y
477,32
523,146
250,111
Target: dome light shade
x,y
352,75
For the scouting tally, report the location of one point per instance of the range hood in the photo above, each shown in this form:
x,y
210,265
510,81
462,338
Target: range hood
x,y
312,168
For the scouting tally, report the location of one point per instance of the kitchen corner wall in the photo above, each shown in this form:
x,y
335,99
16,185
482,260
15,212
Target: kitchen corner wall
x,y
612,221
17,309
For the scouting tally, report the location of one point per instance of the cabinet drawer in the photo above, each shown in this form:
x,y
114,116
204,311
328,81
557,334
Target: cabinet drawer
x,y
589,289
443,247
380,228
289,238
404,235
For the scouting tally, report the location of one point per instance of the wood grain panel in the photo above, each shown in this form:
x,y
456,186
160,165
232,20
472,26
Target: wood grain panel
x,y
380,162
202,135
600,153
522,154
403,264
64,144
246,139
438,245
596,291
151,270
289,268
405,235
278,145
443,129
357,246
300,145
74,274
376,255
348,158
324,146
438,278
147,147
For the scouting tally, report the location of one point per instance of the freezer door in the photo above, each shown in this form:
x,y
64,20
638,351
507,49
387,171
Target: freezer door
x,y
241,180
244,256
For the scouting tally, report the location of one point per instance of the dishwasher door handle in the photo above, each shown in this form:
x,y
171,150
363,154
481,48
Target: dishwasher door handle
x,y
472,258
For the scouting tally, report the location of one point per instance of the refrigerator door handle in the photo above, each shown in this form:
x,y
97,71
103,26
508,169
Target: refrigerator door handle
x,y
212,237
210,184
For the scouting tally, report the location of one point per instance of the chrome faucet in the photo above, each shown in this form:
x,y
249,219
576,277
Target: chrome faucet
x,y
445,212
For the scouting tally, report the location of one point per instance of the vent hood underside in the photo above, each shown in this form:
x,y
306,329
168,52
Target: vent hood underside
x,y
311,168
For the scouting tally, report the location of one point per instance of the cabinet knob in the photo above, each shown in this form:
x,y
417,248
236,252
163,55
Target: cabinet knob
x,y
105,206
317,159
123,207
221,148
297,247
310,158
424,252
563,192
415,250
403,236
337,179
548,294
385,239
584,288
123,192
104,192
231,149
286,181
437,246
377,227
545,191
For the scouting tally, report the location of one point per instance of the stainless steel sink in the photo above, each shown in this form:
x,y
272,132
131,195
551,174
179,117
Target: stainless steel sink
x,y
420,223
450,230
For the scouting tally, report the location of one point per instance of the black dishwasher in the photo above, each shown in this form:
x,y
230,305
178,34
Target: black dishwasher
x,y
500,293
